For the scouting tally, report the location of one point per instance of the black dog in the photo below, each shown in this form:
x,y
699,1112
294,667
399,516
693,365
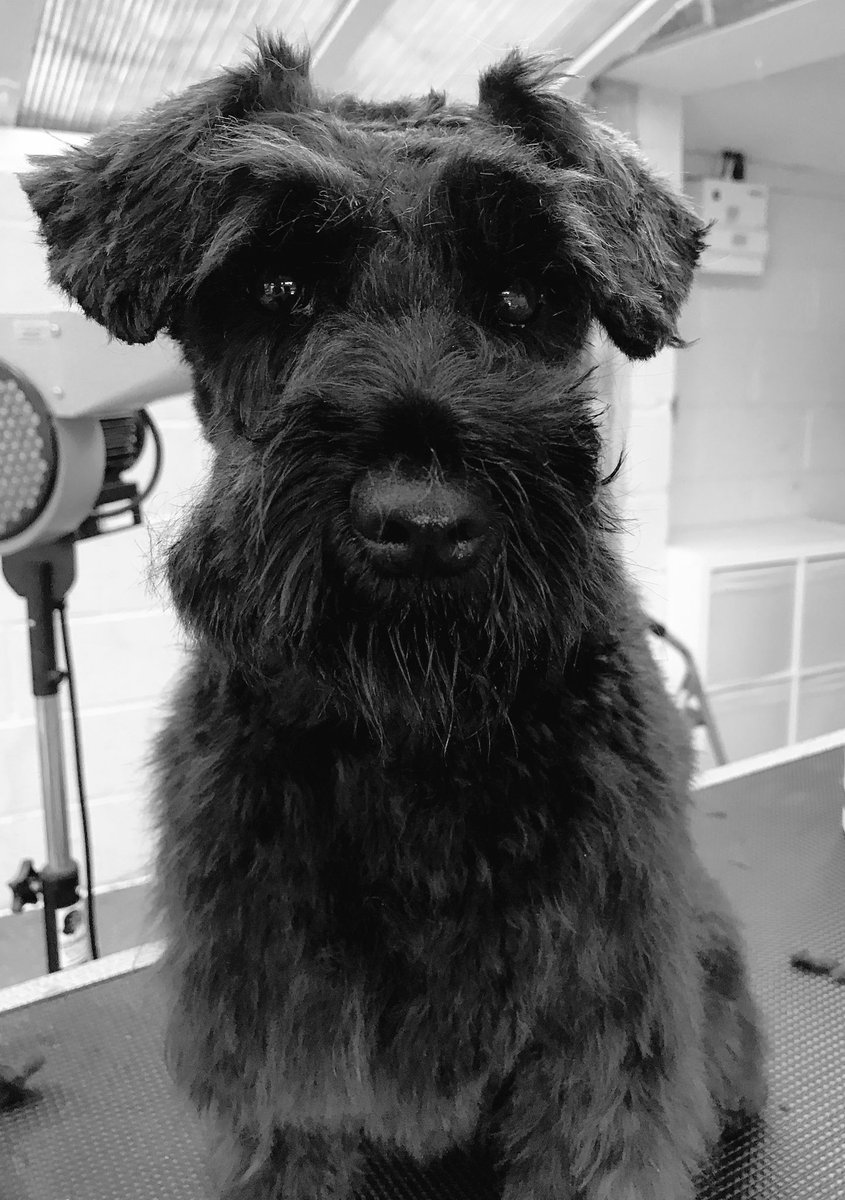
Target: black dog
x,y
424,852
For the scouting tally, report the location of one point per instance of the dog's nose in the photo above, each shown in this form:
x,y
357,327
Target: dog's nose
x,y
418,526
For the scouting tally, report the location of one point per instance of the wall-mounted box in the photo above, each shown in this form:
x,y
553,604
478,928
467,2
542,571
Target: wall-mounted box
x,y
731,204
738,242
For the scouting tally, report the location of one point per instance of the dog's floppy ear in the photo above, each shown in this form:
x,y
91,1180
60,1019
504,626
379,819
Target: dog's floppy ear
x,y
126,216
634,240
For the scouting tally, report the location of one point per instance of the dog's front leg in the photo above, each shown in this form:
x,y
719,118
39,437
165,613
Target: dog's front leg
x,y
576,1127
313,1164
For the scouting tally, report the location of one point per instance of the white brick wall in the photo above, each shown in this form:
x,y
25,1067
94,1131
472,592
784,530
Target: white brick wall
x,y
760,430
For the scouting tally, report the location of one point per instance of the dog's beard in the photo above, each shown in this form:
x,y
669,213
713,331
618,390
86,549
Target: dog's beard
x,y
425,681
427,663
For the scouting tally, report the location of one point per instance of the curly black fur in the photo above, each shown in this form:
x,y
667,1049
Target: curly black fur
x,y
424,850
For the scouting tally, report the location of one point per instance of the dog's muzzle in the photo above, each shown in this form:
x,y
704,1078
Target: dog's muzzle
x,y
419,526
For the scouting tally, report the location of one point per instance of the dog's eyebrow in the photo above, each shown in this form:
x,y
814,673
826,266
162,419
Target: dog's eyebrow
x,y
270,156
259,169
500,207
500,199
499,172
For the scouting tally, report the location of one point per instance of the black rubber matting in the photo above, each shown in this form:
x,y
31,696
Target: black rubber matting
x,y
106,1125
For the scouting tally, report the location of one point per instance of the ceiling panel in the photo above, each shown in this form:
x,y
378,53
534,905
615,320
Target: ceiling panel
x,y
778,38
700,16
441,44
96,61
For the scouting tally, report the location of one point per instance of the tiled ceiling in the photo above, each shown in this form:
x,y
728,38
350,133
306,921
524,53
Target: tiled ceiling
x,y
439,43
700,16
95,61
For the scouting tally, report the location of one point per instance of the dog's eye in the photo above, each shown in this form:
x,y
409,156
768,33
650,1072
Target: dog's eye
x,y
517,303
280,294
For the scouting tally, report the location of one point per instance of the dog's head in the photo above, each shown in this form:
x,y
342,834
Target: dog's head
x,y
253,161
385,308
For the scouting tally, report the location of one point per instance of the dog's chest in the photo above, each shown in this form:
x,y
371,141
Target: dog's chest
x,y
423,874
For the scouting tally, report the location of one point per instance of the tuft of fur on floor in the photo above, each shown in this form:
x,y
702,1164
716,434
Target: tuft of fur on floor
x,y
15,1088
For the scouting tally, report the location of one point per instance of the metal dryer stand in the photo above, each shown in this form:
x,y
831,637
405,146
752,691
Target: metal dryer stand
x,y
43,575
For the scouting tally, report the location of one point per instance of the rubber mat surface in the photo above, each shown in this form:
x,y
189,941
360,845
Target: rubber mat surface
x,y
106,1125
775,842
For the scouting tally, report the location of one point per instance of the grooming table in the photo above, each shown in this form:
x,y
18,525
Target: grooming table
x,y
105,1124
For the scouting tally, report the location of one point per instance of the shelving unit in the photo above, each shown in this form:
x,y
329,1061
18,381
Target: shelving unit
x,y
762,608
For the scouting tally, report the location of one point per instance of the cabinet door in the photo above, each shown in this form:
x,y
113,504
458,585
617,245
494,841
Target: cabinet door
x,y
750,626
823,625
821,704
752,720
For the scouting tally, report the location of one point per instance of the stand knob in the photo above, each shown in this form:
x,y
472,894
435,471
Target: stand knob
x,y
26,886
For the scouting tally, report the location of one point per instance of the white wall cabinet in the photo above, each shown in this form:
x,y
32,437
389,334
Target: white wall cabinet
x,y
762,608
